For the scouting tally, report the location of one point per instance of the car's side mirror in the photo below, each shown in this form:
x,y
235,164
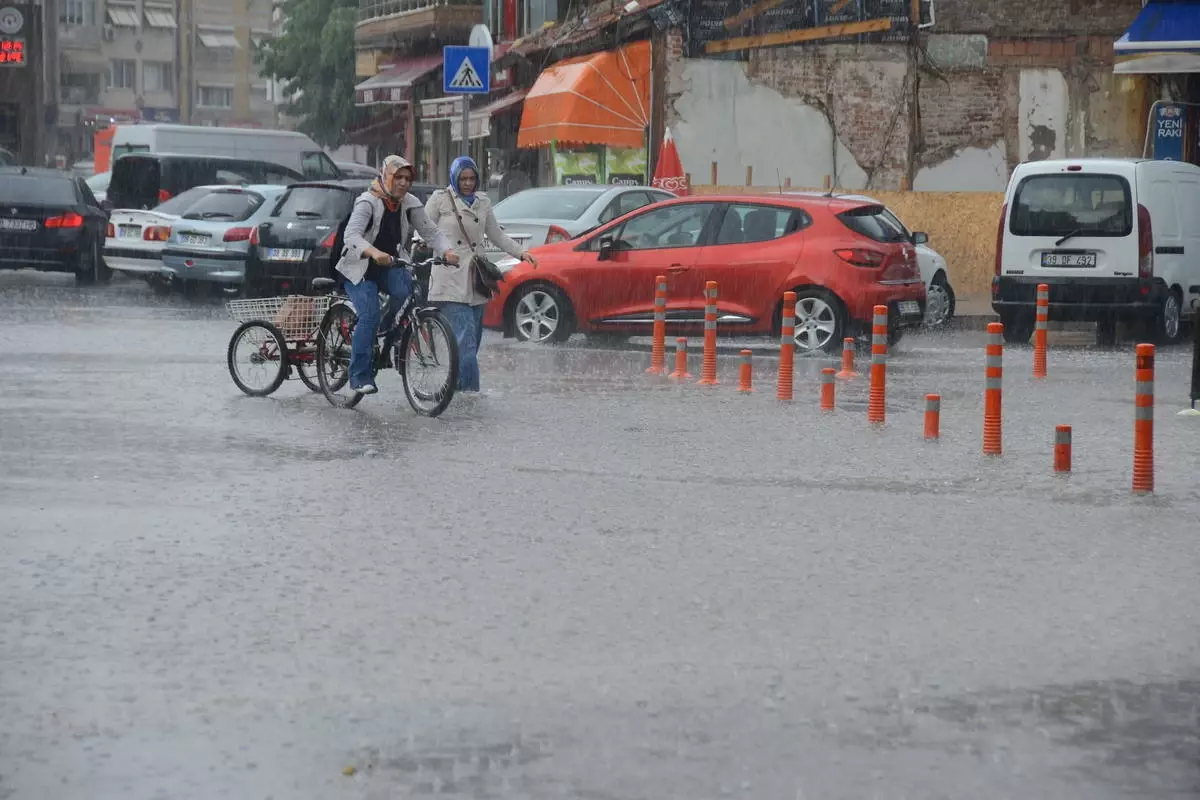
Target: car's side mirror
x,y
920,238
606,248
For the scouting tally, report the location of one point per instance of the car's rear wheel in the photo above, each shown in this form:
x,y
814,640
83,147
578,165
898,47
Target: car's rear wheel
x,y
89,267
820,321
1166,327
1018,327
939,302
541,313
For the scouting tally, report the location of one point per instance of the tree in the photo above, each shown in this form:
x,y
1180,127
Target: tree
x,y
314,60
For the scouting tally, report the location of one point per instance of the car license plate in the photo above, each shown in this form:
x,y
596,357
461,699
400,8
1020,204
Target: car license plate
x,y
277,254
18,224
1068,259
192,238
910,307
130,232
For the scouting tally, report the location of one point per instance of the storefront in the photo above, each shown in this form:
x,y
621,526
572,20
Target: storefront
x,y
591,115
390,97
1162,48
491,133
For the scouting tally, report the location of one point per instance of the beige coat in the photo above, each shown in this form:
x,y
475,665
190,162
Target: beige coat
x,y
449,283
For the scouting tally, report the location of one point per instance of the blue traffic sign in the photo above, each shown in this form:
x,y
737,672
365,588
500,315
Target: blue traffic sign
x,y
466,70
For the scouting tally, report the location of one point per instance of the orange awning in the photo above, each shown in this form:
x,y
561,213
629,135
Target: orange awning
x,y
603,98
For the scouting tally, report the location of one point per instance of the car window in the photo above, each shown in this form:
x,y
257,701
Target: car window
x,y
318,166
673,226
622,204
755,223
85,192
549,203
1079,202
225,205
875,223
182,201
313,202
37,190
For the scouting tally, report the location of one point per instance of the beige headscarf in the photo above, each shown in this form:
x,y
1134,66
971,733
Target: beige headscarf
x,y
391,165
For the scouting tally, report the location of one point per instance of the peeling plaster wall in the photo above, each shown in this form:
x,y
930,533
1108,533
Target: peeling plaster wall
x,y
720,115
971,169
1042,115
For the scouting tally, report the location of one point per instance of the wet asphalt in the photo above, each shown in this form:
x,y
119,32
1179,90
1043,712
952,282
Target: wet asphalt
x,y
586,583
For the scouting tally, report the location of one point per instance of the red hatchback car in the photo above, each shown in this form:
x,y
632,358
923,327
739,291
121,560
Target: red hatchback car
x,y
841,257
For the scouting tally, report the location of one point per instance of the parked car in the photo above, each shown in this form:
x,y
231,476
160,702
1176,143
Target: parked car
x,y
136,239
143,180
7,158
98,183
50,221
940,299
826,249
301,237
352,170
1113,238
211,240
553,213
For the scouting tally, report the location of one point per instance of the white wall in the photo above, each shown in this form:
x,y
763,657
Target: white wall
x,y
726,118
1042,114
972,169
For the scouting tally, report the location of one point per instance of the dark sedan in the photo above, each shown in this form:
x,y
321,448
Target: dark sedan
x,y
51,221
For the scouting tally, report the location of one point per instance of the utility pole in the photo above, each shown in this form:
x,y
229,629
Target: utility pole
x,y
48,124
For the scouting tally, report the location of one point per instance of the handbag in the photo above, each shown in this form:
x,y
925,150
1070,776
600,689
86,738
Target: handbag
x,y
485,275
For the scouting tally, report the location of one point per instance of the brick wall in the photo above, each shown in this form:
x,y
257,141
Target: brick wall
x,y
967,109
1020,18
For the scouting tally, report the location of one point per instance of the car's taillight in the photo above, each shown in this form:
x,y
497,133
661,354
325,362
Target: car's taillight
x,y
156,233
254,236
70,220
111,231
556,234
237,235
1000,238
1145,244
163,195
861,257
329,240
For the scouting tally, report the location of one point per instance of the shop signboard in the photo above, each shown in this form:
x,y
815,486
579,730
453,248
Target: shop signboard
x,y
1170,122
14,46
574,167
625,166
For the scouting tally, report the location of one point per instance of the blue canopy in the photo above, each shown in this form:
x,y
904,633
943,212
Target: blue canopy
x,y
1165,38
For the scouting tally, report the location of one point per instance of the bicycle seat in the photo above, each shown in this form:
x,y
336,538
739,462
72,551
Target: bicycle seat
x,y
324,284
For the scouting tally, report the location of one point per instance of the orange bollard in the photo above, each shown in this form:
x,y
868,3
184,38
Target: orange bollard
x,y
1039,335
1062,448
992,400
847,359
877,399
787,348
827,388
933,416
658,350
1143,421
680,359
708,368
745,378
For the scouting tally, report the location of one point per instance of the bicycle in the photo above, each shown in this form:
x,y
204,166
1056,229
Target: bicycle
x,y
276,340
409,342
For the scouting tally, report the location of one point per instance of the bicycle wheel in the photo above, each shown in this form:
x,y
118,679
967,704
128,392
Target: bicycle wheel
x,y
257,358
333,356
304,359
429,363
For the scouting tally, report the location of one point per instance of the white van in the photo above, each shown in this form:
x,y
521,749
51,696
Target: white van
x,y
1116,240
286,148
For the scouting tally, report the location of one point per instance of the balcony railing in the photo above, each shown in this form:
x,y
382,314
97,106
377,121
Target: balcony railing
x,y
79,37
383,22
78,96
374,9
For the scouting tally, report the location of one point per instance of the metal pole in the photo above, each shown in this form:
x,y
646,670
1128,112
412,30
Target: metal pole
x,y
1195,393
466,125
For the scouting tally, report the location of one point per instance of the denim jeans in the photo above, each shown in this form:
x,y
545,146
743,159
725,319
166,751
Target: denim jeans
x,y
467,322
365,296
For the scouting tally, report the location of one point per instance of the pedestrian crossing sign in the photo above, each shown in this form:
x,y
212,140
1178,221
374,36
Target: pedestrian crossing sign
x,y
466,70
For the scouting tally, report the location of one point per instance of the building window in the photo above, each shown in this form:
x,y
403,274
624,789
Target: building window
x,y
160,17
77,12
121,16
121,74
158,76
215,97
217,39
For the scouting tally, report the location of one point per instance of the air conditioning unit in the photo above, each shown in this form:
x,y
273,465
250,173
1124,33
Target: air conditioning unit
x,y
109,33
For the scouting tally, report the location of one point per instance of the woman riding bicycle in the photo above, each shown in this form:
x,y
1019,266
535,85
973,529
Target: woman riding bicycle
x,y
381,225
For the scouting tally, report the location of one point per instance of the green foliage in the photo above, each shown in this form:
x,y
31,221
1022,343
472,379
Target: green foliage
x,y
314,59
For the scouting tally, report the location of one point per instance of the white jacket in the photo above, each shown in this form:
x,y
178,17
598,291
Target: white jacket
x,y
363,227
454,284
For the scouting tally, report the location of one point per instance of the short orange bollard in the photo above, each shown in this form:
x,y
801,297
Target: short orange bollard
x,y
827,385
787,348
745,379
992,400
681,358
847,359
877,398
658,350
1039,334
933,416
708,368
1143,421
1062,448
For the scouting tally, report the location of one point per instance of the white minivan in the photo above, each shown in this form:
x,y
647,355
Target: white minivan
x,y
286,148
1116,240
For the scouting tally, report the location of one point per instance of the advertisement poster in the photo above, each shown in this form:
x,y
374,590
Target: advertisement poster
x,y
576,166
625,167
1170,121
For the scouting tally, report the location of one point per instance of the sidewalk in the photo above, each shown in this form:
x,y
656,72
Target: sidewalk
x,y
974,312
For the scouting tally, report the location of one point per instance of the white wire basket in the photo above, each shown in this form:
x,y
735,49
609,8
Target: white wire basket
x,y
296,316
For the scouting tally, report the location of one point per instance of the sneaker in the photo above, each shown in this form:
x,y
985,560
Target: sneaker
x,y
366,388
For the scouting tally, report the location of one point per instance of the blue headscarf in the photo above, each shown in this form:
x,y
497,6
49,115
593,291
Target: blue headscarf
x,y
461,163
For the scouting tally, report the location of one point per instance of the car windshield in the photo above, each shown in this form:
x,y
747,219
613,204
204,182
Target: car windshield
x,y
182,201
1078,203
225,205
44,190
313,202
548,203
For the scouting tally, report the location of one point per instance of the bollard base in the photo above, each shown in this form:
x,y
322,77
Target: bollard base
x,y
846,376
1189,412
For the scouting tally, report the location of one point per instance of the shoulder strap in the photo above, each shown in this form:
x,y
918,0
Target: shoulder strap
x,y
461,227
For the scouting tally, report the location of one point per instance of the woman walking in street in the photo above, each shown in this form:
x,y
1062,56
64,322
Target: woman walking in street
x,y
465,218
